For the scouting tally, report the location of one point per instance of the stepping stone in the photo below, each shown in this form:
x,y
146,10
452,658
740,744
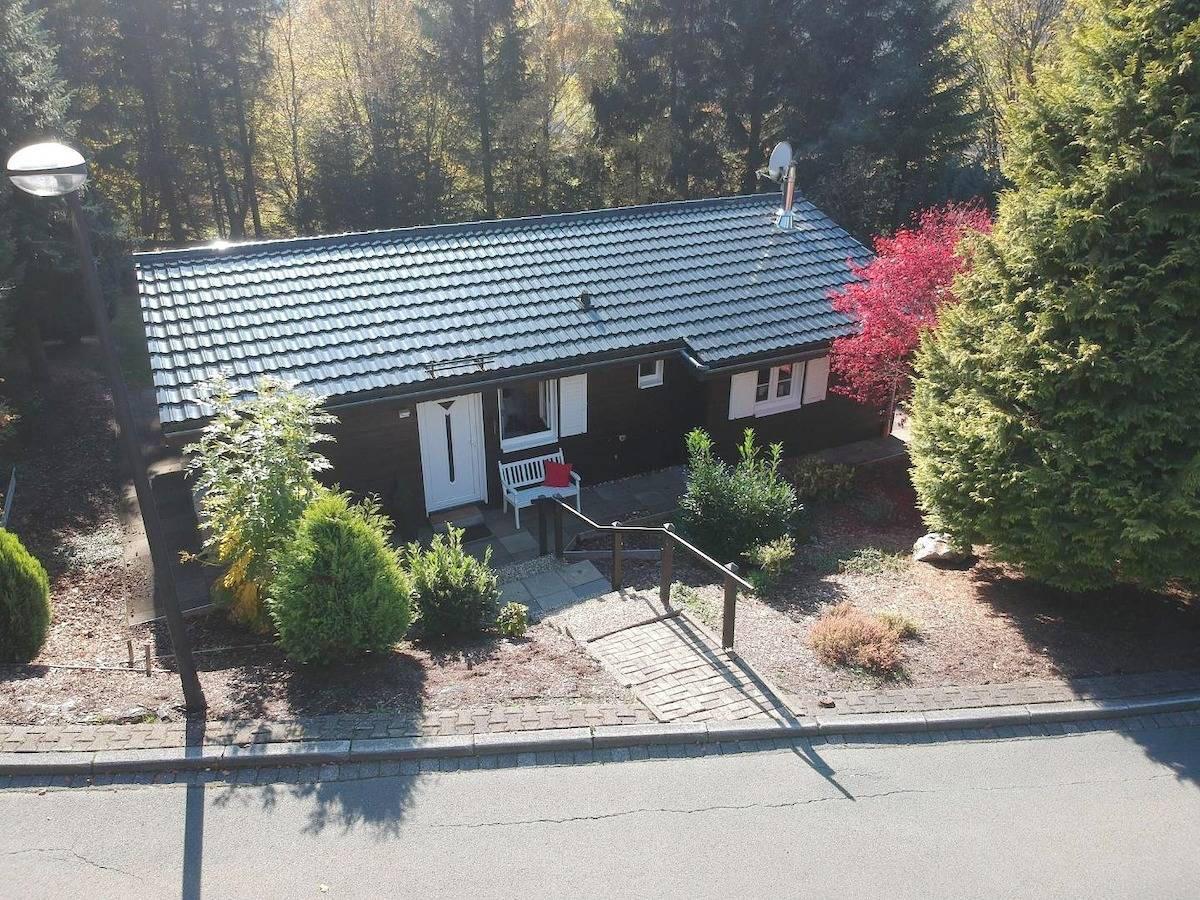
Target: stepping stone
x,y
580,573
519,542
546,584
515,592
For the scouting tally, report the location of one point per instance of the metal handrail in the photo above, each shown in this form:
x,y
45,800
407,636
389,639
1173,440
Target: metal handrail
x,y
669,540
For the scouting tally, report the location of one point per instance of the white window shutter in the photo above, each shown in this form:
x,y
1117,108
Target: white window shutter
x,y
572,405
741,394
816,379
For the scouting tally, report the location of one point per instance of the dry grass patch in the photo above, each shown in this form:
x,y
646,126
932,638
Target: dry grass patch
x,y
846,636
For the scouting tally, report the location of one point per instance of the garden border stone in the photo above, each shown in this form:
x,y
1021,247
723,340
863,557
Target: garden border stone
x,y
597,737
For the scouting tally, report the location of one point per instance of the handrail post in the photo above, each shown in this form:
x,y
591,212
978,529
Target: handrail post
x,y
558,530
668,560
617,572
540,503
729,614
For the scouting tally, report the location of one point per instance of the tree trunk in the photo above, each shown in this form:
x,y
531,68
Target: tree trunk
x,y
245,137
483,112
28,336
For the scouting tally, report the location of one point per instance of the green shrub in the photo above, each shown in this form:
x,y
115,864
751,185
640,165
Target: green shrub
x,y
1055,415
513,619
455,593
24,601
904,625
255,468
339,589
817,481
873,561
771,560
728,510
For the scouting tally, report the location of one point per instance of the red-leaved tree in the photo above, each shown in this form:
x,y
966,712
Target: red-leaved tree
x,y
897,296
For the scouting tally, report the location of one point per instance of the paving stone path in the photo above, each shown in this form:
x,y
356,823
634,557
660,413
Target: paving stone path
x,y
677,669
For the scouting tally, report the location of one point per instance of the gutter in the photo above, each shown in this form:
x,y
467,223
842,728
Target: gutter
x,y
747,364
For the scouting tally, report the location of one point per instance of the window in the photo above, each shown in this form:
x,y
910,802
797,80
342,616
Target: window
x,y
650,373
777,385
528,415
778,389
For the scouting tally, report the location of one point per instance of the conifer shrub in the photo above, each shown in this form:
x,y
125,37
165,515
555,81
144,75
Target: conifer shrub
x,y
339,590
456,594
1055,415
24,601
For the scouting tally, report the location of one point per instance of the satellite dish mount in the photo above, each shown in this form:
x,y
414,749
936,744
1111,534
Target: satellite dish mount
x,y
781,168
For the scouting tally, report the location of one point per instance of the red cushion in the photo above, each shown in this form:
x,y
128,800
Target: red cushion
x,y
557,474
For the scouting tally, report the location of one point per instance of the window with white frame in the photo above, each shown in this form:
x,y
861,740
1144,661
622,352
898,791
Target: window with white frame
x,y
528,415
778,385
777,389
650,373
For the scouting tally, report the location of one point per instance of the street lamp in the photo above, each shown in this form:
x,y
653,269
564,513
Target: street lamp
x,y
56,170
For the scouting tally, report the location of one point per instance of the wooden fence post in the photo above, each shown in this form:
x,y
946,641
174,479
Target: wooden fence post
x,y
617,572
667,571
729,614
558,531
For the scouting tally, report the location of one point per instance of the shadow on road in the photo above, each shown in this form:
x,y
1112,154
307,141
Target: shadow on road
x,y
193,822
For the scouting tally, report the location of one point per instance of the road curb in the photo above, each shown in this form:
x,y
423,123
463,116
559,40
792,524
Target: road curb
x,y
599,737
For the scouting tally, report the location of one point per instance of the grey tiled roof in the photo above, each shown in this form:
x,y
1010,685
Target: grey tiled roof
x,y
374,311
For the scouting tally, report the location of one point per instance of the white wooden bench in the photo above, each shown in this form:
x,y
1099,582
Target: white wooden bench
x,y
522,483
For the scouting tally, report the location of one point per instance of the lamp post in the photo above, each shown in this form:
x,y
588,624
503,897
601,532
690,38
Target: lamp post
x,y
56,170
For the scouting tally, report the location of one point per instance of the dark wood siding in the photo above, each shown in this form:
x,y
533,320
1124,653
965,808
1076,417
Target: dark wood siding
x,y
833,421
629,429
375,451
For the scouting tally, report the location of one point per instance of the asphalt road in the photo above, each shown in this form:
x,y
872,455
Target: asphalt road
x,y
1100,814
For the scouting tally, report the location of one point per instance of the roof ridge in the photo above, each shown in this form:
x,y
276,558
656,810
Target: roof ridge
x,y
226,249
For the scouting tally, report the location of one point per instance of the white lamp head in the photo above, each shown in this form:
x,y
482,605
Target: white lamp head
x,y
47,170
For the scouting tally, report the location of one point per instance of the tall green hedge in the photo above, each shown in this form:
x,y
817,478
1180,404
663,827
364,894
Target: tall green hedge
x,y
1056,414
24,601
339,588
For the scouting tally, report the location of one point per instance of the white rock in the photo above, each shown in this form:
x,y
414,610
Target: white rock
x,y
937,548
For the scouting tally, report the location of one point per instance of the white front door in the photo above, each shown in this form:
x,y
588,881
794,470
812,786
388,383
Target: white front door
x,y
452,460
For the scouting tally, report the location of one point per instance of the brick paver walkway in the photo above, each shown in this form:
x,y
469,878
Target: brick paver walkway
x,y
679,672
467,720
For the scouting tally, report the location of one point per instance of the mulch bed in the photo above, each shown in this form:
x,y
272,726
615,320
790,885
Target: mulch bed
x,y
980,624
68,514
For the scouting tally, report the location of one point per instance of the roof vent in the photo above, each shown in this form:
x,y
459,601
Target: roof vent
x,y
585,299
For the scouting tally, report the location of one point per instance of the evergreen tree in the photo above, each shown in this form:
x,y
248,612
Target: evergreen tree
x,y
479,46
33,106
1055,414
878,107
665,73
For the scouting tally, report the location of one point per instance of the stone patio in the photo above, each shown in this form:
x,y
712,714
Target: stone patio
x,y
552,586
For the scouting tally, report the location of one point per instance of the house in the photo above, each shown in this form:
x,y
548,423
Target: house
x,y
445,350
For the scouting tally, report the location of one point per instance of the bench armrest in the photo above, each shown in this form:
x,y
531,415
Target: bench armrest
x,y
575,478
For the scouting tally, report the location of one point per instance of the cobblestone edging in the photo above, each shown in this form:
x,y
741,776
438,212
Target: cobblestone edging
x,y
1178,709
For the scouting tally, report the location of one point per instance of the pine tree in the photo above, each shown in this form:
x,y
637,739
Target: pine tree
x,y
33,106
665,73
878,107
1055,413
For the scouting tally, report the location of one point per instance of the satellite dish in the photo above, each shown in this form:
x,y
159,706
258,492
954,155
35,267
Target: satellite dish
x,y
781,158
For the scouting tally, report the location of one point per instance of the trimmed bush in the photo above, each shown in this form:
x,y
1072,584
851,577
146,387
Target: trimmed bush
x,y
513,620
456,594
729,510
339,590
24,601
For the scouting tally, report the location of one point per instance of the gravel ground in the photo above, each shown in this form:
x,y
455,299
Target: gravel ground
x,y
979,624
67,515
